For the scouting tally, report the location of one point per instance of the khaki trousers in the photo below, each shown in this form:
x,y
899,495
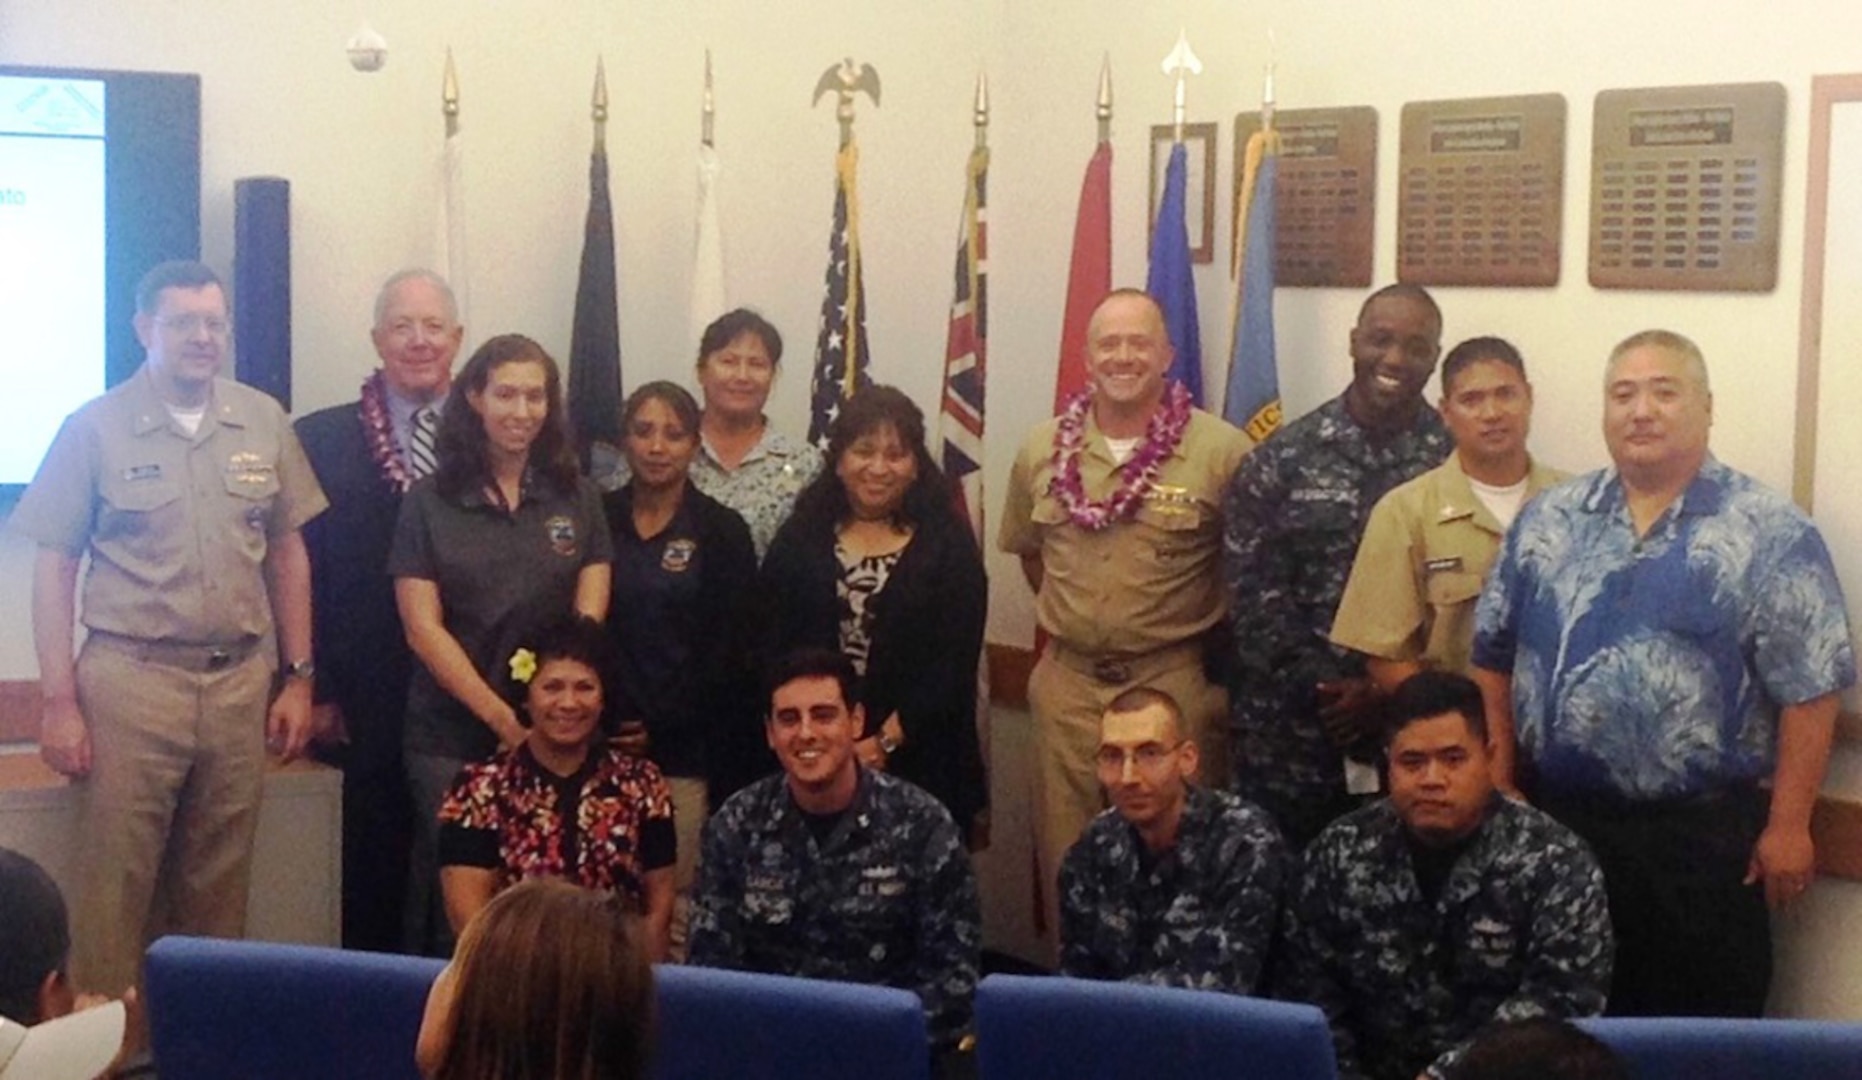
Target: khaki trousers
x,y
1067,703
689,800
171,805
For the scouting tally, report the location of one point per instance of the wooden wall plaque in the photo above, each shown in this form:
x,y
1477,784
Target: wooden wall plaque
x,y
1684,187
1325,195
1481,191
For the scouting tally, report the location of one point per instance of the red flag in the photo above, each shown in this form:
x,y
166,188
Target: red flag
x,y
1090,278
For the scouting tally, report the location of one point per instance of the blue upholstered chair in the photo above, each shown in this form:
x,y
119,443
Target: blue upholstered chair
x,y
1031,1028
715,1024
1684,1048
241,1009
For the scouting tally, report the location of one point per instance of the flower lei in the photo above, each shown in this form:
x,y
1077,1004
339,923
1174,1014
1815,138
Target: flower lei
x,y
523,666
379,429
1137,476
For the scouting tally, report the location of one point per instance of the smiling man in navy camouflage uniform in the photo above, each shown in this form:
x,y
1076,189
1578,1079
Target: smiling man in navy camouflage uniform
x,y
829,870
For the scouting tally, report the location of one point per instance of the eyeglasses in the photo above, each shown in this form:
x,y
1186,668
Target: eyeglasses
x,y
186,325
1148,756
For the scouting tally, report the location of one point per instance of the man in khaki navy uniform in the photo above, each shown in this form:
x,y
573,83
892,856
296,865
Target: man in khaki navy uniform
x,y
1130,602
1428,546
187,493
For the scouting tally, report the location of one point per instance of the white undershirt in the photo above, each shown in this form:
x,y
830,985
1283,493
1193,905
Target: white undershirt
x,y
1503,502
1123,449
189,419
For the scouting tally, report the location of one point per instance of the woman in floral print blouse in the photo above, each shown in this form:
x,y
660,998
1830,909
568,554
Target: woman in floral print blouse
x,y
564,803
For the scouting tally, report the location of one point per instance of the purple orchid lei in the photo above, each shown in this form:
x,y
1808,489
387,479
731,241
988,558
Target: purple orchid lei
x,y
380,431
1137,476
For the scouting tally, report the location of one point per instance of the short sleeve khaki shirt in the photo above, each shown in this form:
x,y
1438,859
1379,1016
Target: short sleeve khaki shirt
x,y
1419,569
1140,585
177,526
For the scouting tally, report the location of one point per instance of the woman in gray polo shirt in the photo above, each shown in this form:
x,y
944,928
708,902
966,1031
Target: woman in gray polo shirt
x,y
505,535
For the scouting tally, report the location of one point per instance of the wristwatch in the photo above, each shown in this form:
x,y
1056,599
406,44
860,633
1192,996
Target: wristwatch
x,y
300,669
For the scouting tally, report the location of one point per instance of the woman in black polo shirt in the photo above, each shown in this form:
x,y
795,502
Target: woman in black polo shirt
x,y
504,536
876,562
684,571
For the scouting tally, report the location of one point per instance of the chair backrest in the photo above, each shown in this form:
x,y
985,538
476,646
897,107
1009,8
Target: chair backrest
x,y
767,1027
1688,1048
1032,1027
242,1009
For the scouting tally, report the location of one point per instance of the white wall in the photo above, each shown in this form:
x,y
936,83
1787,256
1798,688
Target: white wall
x,y
362,151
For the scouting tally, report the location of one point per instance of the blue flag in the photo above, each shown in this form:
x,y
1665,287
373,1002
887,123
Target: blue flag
x,y
1253,400
1170,283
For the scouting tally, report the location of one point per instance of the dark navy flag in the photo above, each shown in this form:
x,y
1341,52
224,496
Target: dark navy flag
x,y
595,341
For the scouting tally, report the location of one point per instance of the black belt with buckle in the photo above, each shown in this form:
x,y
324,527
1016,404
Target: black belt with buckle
x,y
204,657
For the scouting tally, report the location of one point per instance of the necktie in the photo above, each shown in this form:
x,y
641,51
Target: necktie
x,y
421,458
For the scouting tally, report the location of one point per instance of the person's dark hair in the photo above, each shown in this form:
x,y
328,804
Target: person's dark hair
x,y
571,637
1431,693
551,982
461,442
1406,291
35,935
732,325
1541,1048
174,274
811,663
670,394
823,503
1473,351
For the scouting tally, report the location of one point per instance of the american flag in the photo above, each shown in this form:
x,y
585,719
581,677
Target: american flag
x,y
960,420
840,351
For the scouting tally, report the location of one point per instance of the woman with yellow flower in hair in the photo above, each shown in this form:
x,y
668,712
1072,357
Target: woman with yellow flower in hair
x,y
566,802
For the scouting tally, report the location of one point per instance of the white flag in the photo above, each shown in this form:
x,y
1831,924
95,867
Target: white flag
x,y
450,259
708,299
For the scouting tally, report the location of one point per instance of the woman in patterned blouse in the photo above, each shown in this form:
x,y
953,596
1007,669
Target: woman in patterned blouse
x,y
564,803
877,563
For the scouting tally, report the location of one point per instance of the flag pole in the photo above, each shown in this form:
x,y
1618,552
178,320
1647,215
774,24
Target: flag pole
x,y
1181,62
449,95
598,105
1103,110
710,109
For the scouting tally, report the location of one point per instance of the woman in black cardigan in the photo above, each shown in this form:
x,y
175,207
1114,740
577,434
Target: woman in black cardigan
x,y
876,562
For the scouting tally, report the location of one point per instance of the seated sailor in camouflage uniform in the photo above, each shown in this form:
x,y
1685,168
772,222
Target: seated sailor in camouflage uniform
x,y
1176,884
1423,917
830,870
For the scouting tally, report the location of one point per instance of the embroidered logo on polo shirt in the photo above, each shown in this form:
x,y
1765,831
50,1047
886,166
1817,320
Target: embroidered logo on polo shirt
x,y
678,556
561,530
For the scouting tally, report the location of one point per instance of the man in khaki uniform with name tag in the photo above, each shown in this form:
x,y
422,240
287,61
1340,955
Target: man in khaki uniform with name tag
x,y
1409,603
1115,510
187,492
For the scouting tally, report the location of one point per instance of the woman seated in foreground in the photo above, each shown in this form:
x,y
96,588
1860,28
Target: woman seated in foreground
x,y
565,802
550,983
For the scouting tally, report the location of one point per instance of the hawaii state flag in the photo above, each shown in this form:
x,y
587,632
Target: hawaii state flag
x,y
960,416
840,350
